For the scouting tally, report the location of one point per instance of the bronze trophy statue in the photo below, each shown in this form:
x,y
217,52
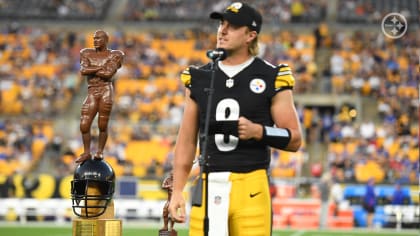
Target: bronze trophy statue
x,y
93,184
98,64
167,230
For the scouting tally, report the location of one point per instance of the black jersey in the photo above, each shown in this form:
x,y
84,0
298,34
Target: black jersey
x,y
249,94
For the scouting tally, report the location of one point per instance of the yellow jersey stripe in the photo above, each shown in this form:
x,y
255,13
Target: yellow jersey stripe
x,y
186,77
284,81
281,69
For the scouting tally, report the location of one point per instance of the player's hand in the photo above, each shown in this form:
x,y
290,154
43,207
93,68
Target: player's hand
x,y
177,207
248,129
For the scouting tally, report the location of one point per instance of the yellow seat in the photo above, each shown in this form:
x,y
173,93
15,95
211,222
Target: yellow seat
x,y
139,171
48,130
371,169
151,190
38,146
141,152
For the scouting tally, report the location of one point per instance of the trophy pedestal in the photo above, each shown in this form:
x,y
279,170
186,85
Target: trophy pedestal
x,y
97,227
104,225
168,232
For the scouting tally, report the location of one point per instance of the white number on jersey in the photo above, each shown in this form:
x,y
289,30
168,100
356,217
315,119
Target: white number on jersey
x,y
227,110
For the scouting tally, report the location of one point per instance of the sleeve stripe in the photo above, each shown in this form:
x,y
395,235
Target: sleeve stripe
x,y
284,73
186,77
186,72
284,81
281,69
284,78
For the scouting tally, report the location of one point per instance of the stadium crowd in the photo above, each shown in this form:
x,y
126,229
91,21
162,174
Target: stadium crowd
x,y
59,10
373,66
40,79
284,11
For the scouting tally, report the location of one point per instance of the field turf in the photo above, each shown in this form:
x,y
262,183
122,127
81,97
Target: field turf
x,y
137,230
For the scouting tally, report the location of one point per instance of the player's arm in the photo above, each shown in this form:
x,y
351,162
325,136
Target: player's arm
x,y
286,134
112,65
85,67
285,117
185,150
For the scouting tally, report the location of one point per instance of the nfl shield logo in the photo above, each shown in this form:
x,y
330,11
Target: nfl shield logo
x,y
229,83
217,200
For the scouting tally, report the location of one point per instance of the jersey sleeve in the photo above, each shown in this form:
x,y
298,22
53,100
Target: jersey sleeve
x,y
186,77
284,78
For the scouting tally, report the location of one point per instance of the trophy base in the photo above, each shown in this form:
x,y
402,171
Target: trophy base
x,y
97,227
172,232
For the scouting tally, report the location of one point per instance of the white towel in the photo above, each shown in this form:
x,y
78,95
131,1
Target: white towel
x,y
218,206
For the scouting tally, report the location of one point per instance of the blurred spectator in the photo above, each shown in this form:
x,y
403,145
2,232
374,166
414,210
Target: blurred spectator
x,y
153,169
327,123
324,188
337,194
335,133
321,34
337,63
367,129
297,11
369,201
398,195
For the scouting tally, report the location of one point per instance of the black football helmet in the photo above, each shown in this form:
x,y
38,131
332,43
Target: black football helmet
x,y
92,188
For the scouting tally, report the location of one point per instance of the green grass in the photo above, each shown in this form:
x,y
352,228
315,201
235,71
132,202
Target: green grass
x,y
139,230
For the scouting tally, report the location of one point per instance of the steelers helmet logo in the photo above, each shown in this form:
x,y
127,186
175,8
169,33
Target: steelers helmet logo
x,y
234,7
257,85
394,25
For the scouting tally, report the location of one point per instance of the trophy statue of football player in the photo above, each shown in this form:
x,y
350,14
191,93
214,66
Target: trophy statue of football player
x,y
98,65
167,184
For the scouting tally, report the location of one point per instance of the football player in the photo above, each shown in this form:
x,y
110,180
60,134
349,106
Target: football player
x,y
252,110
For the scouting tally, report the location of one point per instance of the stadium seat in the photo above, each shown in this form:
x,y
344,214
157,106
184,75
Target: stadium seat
x,y
298,221
340,222
280,221
289,211
38,146
370,169
285,191
360,216
379,217
5,168
354,193
151,190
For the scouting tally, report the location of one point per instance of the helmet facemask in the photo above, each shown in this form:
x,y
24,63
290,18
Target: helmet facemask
x,y
90,198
